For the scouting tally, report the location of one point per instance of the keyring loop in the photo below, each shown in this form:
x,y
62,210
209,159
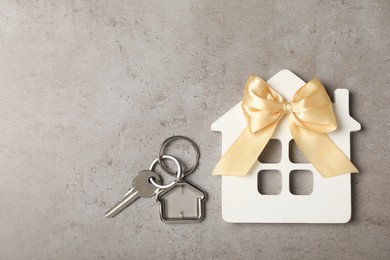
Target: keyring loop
x,y
170,139
179,173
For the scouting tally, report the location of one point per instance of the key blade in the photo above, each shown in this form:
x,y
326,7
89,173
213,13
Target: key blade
x,y
129,198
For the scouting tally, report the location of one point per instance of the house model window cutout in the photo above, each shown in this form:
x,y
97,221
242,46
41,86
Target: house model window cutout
x,y
182,203
328,200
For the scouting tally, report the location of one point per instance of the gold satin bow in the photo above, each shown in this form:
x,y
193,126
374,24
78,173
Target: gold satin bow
x,y
310,117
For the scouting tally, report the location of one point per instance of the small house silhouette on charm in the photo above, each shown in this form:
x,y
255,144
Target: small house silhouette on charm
x,y
182,203
329,201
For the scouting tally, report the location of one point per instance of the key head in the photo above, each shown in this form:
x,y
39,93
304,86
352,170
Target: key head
x,y
142,184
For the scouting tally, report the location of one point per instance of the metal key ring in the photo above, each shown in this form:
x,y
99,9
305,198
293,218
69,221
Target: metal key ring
x,y
170,139
179,174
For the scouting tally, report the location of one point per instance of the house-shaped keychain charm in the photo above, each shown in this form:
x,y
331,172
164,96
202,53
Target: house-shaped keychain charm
x,y
182,203
330,199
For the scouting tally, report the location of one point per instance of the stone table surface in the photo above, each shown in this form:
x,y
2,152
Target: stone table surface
x,y
89,90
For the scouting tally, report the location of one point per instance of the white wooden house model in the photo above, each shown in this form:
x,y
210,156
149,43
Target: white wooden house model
x,y
330,199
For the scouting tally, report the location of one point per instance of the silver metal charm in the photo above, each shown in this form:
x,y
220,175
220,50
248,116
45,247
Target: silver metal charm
x,y
182,203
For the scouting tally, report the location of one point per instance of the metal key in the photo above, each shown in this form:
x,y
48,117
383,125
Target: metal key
x,y
141,188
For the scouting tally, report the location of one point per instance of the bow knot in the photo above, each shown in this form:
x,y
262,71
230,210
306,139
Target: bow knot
x,y
310,115
286,108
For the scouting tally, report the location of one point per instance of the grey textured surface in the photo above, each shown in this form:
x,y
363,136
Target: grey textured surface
x,y
89,89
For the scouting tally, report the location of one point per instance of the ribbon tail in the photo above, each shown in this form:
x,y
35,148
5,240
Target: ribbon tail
x,y
240,157
322,152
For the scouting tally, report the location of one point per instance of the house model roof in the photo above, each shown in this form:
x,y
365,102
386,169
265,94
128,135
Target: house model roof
x,y
344,120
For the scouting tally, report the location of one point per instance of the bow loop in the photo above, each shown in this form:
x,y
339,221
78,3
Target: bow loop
x,y
261,105
313,108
